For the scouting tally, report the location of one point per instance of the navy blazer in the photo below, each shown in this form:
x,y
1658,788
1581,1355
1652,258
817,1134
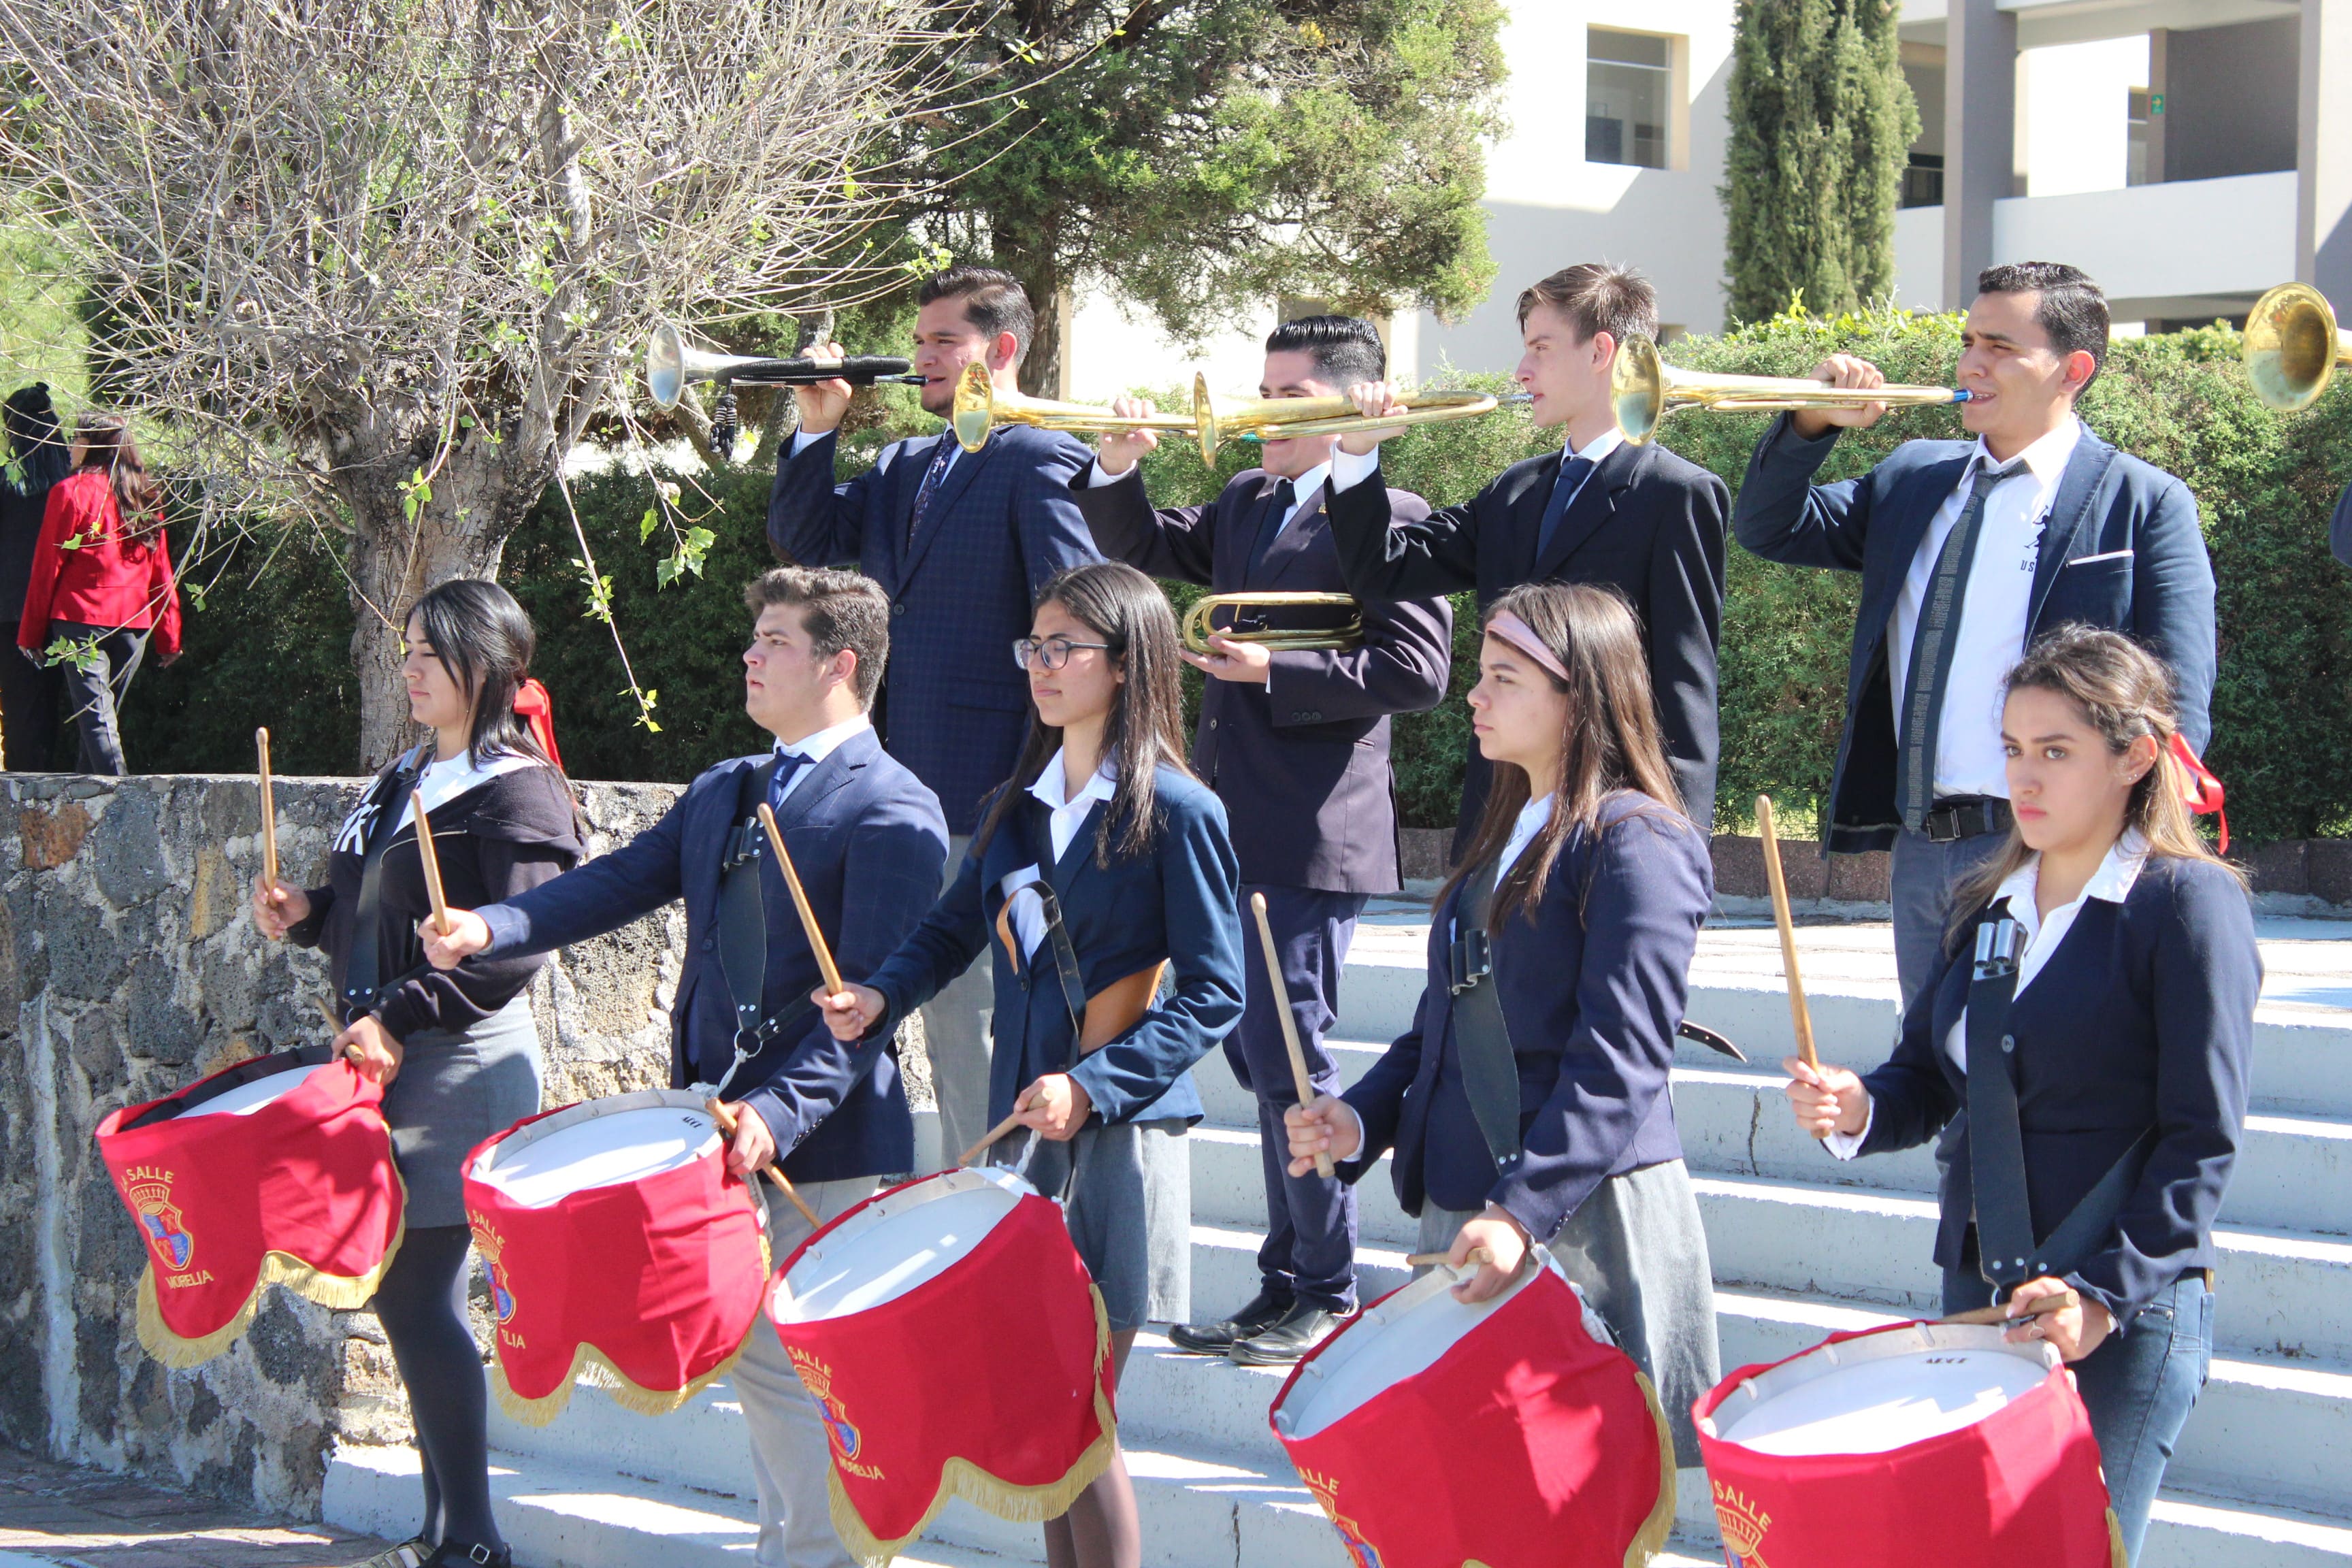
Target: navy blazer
x,y
856,821
1302,763
2121,550
2339,528
1594,989
953,706
2144,1016
1647,523
1180,904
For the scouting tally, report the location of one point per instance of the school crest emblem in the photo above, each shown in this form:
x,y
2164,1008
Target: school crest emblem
x,y
159,1221
838,1428
488,1243
1743,1525
1325,1492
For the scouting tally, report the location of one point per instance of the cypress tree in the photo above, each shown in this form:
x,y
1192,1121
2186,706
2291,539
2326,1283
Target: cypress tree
x,y
1822,125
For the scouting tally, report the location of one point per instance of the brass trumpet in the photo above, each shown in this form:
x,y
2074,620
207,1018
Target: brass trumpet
x,y
981,408
1197,629
671,362
2294,346
1646,389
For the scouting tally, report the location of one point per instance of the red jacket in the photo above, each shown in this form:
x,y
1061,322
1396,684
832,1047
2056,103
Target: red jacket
x,y
105,579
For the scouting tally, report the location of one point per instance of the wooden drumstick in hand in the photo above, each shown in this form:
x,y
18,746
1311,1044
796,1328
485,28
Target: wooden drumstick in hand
x,y
431,860
1798,1014
832,986
268,813
1298,1075
1479,1257
2000,1316
726,1120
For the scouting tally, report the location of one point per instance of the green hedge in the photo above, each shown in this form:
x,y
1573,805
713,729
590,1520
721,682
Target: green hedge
x,y
2266,484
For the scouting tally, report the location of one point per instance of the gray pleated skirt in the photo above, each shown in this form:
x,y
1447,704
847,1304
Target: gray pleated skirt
x,y
1129,1212
453,1091
1636,1251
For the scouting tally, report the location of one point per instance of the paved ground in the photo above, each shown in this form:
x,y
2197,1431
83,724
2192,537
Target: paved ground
x,y
53,1514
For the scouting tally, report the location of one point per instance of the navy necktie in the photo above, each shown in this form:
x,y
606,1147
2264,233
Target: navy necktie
x,y
1572,474
788,768
1269,524
1933,642
933,478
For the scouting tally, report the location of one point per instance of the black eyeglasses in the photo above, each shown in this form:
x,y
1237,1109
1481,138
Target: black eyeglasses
x,y
1048,653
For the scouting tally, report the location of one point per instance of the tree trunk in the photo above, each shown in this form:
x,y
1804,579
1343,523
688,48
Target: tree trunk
x,y
1041,367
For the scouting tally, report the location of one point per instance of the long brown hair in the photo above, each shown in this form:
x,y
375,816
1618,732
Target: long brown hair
x,y
106,444
1611,740
1126,610
2123,691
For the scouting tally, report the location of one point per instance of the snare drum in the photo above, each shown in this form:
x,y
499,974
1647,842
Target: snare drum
x,y
276,1169
1434,1434
957,1348
1919,1440
619,1248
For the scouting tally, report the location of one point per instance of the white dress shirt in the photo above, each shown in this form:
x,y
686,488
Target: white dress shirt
x,y
816,748
446,779
1524,828
1990,638
1063,818
2111,883
1305,488
1348,470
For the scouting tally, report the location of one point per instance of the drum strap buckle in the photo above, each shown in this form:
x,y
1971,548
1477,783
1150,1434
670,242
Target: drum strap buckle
x,y
1471,958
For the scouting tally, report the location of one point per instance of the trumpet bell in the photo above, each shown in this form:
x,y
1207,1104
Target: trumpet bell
x,y
1281,639
1644,389
665,366
2293,347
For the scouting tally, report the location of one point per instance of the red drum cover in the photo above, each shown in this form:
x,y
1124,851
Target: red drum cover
x,y
619,1248
1809,1469
1526,1440
958,1348
274,1171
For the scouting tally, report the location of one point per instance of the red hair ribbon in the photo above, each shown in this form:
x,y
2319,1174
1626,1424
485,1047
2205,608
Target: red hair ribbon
x,y
2205,792
536,709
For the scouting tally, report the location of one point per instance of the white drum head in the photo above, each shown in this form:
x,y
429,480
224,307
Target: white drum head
x,y
250,1097
891,1246
602,1144
1405,1334
1886,1392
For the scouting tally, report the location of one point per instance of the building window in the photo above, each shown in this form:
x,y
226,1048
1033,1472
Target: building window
x,y
2136,171
1923,181
1628,93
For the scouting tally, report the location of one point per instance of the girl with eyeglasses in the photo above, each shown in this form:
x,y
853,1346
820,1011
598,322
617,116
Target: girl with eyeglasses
x,y
1104,854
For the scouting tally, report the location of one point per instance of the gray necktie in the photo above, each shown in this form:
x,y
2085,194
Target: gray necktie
x,y
1933,642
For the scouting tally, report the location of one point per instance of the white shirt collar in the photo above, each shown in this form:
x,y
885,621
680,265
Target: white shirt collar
x,y
1524,828
1596,448
1051,783
2047,457
1305,488
2111,883
825,742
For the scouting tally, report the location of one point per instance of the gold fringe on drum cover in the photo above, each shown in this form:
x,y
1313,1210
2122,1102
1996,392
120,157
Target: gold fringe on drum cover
x,y
328,1290
963,1478
1650,1538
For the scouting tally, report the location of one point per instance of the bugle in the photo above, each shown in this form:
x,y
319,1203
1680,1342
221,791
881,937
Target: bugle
x,y
1292,418
1646,389
980,408
1251,629
2293,347
671,363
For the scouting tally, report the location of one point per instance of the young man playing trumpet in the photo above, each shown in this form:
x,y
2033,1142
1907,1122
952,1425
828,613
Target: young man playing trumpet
x,y
1297,744
961,543
1637,520
1967,552
868,842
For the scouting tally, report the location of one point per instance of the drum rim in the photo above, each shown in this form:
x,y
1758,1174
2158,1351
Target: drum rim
x,y
1840,1353
484,1163
899,1200
212,1086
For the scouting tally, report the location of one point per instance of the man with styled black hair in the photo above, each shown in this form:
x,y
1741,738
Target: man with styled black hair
x,y
960,542
1297,744
1967,552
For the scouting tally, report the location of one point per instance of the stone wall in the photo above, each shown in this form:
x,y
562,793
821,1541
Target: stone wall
x,y
127,967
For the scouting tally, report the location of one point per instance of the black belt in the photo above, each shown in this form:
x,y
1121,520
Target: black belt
x,y
1957,816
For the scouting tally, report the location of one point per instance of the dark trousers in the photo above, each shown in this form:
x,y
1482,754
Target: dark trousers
x,y
2138,1387
28,708
94,693
1310,1220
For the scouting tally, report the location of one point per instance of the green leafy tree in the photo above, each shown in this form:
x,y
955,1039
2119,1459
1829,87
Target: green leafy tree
x,y
1822,125
1204,156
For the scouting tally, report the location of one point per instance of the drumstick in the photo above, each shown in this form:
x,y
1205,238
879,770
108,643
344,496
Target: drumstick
x,y
999,1131
832,986
268,813
726,1120
1797,1012
1431,1259
1305,1085
432,863
2055,1301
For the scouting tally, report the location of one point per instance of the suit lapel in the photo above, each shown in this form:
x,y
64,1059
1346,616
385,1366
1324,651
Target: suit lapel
x,y
2076,487
1291,545
1929,489
958,480
824,777
1527,515
1595,505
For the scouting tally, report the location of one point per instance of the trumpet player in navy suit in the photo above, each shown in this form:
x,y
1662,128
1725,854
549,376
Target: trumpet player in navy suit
x,y
1528,1102
1295,742
961,543
1636,519
1102,868
2083,1044
1967,553
868,842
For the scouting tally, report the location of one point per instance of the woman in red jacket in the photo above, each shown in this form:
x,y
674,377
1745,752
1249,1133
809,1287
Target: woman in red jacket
x,y
102,582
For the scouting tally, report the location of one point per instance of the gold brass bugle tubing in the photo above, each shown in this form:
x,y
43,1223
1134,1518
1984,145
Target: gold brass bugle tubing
x,y
1292,418
980,408
1645,389
1348,635
2293,347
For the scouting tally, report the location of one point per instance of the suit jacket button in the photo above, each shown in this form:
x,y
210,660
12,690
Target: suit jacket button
x,y
706,944
2009,1041
898,607
1212,723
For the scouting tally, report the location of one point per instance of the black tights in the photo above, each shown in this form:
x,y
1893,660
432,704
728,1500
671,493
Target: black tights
x,y
1102,1529
422,1305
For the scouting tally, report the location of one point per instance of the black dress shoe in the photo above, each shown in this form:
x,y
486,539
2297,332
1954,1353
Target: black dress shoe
x,y
458,1555
1265,1309
1282,1342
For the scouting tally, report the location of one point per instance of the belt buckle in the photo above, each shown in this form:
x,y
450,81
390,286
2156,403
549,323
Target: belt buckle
x,y
1473,961
1942,825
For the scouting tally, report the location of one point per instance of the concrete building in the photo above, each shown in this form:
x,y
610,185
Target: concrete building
x,y
2188,153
